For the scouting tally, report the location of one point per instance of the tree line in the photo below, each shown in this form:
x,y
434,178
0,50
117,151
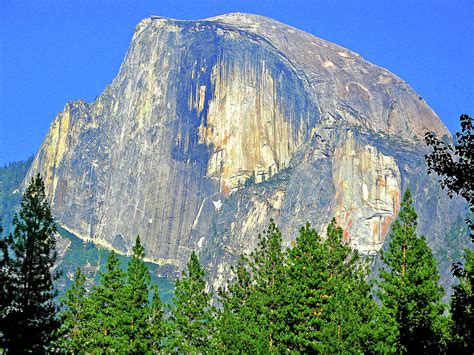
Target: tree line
x,y
315,296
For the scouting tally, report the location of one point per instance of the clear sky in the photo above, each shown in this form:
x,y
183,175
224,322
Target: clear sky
x,y
54,51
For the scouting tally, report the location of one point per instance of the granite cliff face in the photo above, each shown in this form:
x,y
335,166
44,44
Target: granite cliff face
x,y
211,127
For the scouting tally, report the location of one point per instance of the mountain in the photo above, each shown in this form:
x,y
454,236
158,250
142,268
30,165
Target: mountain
x,y
212,127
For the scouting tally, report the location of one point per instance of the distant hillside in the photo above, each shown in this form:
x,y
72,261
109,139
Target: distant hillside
x,y
11,177
92,259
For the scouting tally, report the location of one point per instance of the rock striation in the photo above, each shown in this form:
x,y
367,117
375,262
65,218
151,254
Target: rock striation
x,y
211,127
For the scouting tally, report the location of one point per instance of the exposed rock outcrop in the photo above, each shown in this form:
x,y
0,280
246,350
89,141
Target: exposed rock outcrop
x,y
211,127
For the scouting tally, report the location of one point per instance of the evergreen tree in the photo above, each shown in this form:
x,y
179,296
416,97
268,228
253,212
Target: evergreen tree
x,y
462,309
191,314
31,318
409,288
263,307
233,328
5,286
117,314
328,305
73,332
106,310
305,296
139,313
156,325
252,319
349,315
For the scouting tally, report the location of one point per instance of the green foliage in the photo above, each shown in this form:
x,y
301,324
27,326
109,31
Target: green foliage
x,y
462,307
191,313
92,258
29,319
89,257
454,164
231,330
329,302
157,325
106,308
251,319
312,298
6,283
306,296
74,332
409,289
117,315
261,315
143,321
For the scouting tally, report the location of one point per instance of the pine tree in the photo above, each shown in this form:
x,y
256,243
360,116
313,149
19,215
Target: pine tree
x,y
191,314
265,324
409,288
31,320
73,332
156,325
232,325
328,305
462,307
106,310
349,313
253,300
267,264
307,266
5,286
140,331
117,314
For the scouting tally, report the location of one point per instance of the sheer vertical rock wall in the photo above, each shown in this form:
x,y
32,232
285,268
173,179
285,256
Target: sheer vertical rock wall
x,y
212,127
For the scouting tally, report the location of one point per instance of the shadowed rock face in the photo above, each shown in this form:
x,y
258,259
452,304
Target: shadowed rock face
x,y
211,127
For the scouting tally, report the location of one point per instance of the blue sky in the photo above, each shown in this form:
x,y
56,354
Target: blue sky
x,y
52,52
